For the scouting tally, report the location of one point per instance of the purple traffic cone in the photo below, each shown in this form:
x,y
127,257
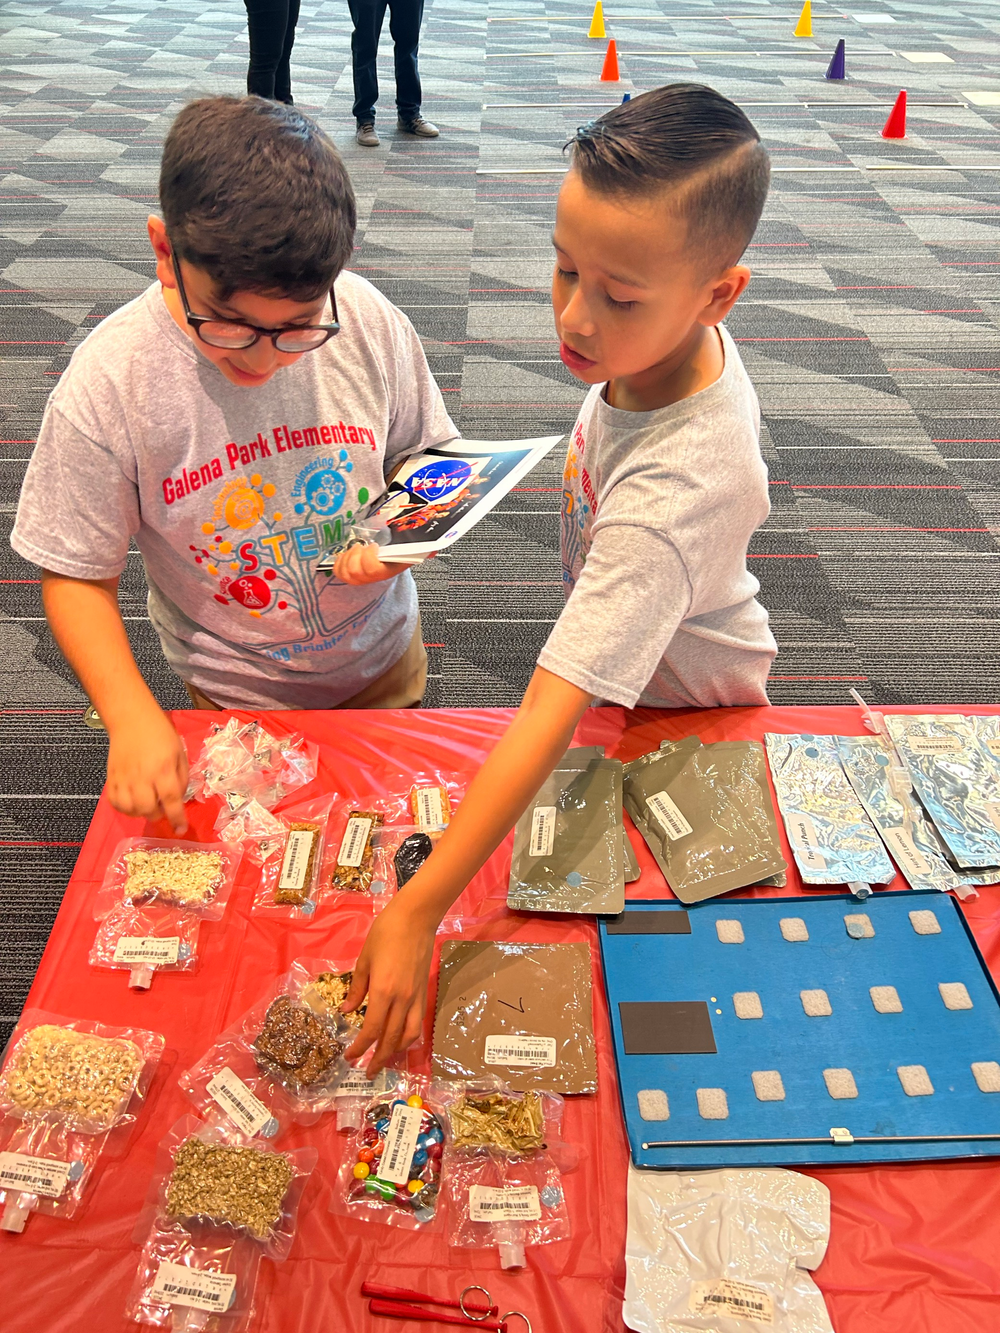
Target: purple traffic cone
x,y
835,70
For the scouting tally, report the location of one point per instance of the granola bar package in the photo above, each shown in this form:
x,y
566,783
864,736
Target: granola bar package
x,y
353,830
433,799
215,1208
66,1085
192,876
290,875
143,940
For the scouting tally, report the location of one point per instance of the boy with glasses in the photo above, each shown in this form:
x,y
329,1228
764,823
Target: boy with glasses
x,y
173,427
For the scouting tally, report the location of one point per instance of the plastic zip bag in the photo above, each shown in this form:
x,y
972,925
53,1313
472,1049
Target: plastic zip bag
x,y
244,759
568,853
214,1209
291,873
65,1086
146,940
833,839
165,872
504,1184
392,1170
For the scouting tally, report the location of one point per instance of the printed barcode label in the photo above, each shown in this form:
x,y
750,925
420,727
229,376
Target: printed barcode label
x,y
805,842
668,816
356,1084
352,848
33,1175
400,1144
238,1102
934,744
296,861
161,949
543,830
202,1290
488,1204
909,859
430,809
527,1052
729,1299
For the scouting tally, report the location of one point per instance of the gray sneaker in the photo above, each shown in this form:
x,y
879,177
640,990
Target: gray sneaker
x,y
366,135
418,126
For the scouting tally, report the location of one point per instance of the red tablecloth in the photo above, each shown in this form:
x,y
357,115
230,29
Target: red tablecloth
x,y
914,1248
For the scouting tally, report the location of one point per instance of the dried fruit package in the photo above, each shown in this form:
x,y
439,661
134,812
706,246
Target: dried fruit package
x,y
501,1167
283,1060
291,871
65,1086
144,940
191,876
215,1208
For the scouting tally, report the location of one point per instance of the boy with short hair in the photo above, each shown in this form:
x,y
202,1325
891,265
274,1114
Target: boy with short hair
x,y
664,487
173,426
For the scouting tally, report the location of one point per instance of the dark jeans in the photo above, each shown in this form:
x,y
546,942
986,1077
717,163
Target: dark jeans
x,y
405,17
272,32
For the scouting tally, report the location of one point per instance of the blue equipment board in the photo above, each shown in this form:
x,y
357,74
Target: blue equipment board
x,y
677,981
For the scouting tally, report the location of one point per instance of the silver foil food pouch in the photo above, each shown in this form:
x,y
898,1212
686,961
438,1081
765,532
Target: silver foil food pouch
x,y
833,839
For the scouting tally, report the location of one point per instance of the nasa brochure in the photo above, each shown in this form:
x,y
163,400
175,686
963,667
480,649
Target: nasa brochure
x,y
437,496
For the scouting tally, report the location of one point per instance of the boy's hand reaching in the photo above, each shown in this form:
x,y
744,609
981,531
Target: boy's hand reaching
x,y
360,564
148,768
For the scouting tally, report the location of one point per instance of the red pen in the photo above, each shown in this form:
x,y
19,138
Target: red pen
x,y
400,1310
468,1305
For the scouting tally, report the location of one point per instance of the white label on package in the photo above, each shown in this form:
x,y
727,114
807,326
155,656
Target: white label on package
x,y
668,816
911,860
728,1299
488,1204
529,1052
160,949
238,1102
356,1084
543,831
33,1175
805,842
400,1144
177,1285
296,862
352,849
430,809
934,744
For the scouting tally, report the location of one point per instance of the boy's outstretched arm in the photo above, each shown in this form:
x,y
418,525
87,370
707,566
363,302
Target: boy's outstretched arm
x,y
395,962
147,763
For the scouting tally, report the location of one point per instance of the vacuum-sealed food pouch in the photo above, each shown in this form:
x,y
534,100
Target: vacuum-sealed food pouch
x,y
505,1186
397,853
391,1172
353,837
957,778
240,758
66,1085
520,1012
145,940
833,839
883,787
197,877
705,812
215,1208
283,1060
568,854
433,799
290,876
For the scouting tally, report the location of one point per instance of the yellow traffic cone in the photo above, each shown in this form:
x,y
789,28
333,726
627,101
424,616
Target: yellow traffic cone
x,y
804,27
597,22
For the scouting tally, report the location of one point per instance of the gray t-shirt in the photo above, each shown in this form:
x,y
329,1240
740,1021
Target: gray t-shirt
x,y
658,510
231,493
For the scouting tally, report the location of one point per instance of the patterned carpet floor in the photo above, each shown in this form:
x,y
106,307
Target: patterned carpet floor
x,y
870,328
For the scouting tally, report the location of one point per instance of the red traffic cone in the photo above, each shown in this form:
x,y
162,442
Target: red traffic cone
x,y
609,74
895,126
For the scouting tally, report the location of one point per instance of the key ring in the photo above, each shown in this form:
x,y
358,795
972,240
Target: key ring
x,y
476,1318
520,1315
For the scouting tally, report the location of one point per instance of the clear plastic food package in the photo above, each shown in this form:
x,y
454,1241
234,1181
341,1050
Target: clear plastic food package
x,y
432,800
242,758
146,940
197,877
392,1170
65,1086
353,831
215,1208
568,853
291,873
503,1180
397,853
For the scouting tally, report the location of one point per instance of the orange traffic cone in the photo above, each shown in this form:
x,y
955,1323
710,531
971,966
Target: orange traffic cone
x,y
609,74
895,126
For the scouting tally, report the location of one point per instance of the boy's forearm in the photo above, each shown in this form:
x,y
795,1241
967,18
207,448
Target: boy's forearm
x,y
87,625
499,794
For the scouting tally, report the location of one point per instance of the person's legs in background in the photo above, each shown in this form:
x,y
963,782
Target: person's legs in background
x,y
272,31
405,18
283,74
367,17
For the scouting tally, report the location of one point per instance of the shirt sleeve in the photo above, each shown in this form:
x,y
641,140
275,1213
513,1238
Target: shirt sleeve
x,y
78,510
632,594
419,416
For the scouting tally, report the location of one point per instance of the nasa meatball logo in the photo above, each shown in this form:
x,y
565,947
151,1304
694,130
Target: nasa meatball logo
x,y
438,480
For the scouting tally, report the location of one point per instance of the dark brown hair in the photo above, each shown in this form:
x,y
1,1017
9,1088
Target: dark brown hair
x,y
688,139
254,193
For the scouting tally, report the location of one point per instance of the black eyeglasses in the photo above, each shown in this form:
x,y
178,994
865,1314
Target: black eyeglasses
x,y
235,336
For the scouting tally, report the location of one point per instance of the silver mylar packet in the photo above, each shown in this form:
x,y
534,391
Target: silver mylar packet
x,y
957,779
832,837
